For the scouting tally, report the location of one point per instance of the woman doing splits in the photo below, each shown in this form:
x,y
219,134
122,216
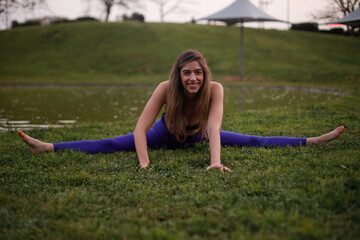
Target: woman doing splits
x,y
193,114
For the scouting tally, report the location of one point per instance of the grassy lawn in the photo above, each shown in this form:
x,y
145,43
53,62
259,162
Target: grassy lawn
x,y
272,193
134,52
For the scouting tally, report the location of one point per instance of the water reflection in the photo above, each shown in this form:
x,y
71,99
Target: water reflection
x,y
29,107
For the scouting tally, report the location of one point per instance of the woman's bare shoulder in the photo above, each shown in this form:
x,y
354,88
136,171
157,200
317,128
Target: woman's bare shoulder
x,y
164,84
215,86
161,90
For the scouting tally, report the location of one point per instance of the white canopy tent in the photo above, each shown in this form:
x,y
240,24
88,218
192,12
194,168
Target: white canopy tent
x,y
241,11
352,19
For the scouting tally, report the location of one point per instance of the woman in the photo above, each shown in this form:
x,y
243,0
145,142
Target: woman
x,y
193,113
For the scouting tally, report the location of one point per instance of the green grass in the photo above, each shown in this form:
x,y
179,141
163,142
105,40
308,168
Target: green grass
x,y
272,193
287,193
135,52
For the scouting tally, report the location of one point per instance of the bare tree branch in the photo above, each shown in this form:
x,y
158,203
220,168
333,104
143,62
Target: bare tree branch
x,y
173,8
168,6
108,4
9,7
337,9
27,4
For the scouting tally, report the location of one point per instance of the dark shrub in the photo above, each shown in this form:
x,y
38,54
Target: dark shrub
x,y
86,18
339,31
61,20
135,16
310,27
33,22
14,24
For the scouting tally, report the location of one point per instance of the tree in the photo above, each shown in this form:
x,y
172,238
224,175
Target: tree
x,y
8,7
347,6
337,9
88,7
168,6
108,4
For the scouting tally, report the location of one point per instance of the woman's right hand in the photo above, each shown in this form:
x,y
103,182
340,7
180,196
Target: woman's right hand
x,y
146,120
143,165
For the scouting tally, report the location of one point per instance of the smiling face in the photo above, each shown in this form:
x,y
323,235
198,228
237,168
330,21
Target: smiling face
x,y
192,78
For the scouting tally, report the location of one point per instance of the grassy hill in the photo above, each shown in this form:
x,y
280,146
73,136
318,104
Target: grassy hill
x,y
128,52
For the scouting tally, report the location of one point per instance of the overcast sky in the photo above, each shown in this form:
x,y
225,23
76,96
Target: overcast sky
x,y
300,10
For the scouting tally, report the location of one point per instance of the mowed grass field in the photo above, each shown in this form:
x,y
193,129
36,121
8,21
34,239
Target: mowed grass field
x,y
135,52
272,193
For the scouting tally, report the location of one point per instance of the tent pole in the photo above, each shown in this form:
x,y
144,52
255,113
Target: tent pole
x,y
242,50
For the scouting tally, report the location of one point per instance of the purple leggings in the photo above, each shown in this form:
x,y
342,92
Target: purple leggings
x,y
159,137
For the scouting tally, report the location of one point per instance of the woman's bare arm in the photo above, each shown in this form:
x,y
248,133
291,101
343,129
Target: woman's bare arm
x,y
146,120
214,126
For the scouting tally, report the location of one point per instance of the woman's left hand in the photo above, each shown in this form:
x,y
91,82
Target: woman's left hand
x,y
219,166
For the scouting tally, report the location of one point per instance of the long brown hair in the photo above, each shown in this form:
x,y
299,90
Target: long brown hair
x,y
175,116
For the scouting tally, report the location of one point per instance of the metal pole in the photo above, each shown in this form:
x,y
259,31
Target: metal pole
x,y
288,14
242,50
242,96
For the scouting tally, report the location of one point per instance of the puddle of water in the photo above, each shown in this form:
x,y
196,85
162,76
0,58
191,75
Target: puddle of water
x,y
44,107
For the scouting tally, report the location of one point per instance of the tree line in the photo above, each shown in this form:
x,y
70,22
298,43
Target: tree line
x,y
335,9
9,7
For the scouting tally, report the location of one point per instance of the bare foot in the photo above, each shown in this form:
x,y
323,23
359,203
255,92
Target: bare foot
x,y
326,138
36,146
